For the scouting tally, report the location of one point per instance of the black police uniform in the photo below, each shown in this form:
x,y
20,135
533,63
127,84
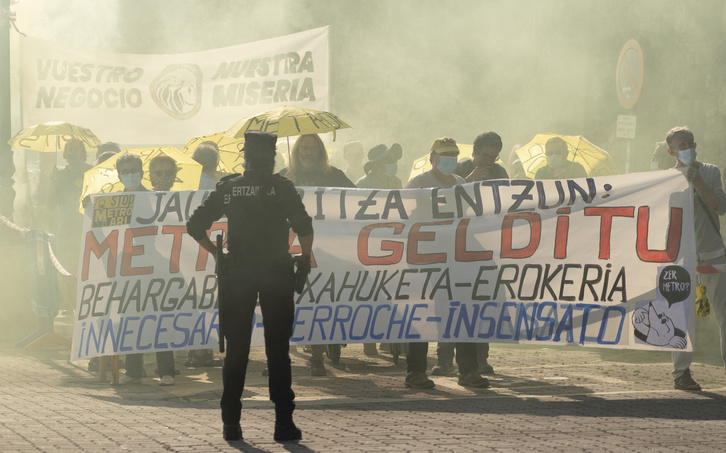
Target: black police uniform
x,y
260,209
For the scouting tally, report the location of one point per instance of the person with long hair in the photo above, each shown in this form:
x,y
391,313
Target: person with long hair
x,y
309,166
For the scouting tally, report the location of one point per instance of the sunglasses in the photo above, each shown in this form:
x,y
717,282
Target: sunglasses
x,y
165,172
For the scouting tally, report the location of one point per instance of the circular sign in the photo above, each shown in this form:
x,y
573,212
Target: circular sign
x,y
629,74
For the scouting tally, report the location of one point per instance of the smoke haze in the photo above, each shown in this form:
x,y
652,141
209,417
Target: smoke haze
x,y
409,71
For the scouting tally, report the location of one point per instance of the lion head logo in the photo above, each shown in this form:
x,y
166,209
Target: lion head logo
x,y
177,90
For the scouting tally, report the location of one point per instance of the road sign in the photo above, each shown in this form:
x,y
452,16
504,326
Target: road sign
x,y
626,126
629,74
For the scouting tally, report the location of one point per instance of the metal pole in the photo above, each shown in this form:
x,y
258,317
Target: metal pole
x,y
7,167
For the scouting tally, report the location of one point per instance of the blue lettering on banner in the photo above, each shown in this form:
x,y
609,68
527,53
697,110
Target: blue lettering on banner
x,y
523,322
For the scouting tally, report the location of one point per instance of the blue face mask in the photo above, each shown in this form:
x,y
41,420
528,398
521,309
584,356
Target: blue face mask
x,y
391,170
687,156
131,181
447,164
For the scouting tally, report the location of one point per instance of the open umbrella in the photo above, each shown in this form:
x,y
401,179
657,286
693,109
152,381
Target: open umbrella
x,y
103,177
597,161
230,156
52,137
289,122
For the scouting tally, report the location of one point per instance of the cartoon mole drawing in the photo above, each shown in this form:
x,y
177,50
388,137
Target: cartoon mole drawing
x,y
657,328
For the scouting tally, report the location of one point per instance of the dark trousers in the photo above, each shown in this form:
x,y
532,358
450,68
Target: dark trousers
x,y
465,357
272,284
164,362
445,353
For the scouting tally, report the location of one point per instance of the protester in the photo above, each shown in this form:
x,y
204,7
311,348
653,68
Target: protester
x,y
130,171
443,156
258,265
662,160
380,174
310,167
482,164
709,203
108,147
353,155
103,157
558,166
207,154
381,169
66,186
162,172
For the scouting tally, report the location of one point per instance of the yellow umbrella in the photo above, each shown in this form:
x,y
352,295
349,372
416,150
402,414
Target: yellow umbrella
x,y
230,155
52,137
597,161
103,177
289,122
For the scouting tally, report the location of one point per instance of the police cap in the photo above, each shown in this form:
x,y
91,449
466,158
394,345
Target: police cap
x,y
259,141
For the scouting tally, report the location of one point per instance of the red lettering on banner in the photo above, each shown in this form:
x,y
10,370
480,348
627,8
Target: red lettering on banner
x,y
563,228
177,231
109,243
129,251
464,255
675,226
535,234
606,222
415,236
395,247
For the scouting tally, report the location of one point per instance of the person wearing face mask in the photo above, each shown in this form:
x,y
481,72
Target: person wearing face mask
x,y
443,158
709,203
381,169
481,167
129,168
558,166
66,186
661,159
162,172
309,167
380,173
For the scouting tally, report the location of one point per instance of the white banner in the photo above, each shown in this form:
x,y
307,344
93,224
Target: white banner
x,y
169,99
603,262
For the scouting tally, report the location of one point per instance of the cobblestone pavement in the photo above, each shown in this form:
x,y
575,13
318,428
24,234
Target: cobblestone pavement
x,y
555,399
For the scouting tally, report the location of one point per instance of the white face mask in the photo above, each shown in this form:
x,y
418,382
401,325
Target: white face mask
x,y
447,164
131,180
687,156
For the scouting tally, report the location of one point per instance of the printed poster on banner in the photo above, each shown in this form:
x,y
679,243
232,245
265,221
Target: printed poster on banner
x,y
181,95
601,262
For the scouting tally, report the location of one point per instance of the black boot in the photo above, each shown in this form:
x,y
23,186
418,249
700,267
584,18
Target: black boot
x,y
285,429
232,432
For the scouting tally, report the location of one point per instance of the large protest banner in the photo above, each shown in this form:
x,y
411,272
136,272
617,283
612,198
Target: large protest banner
x,y
152,99
604,262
